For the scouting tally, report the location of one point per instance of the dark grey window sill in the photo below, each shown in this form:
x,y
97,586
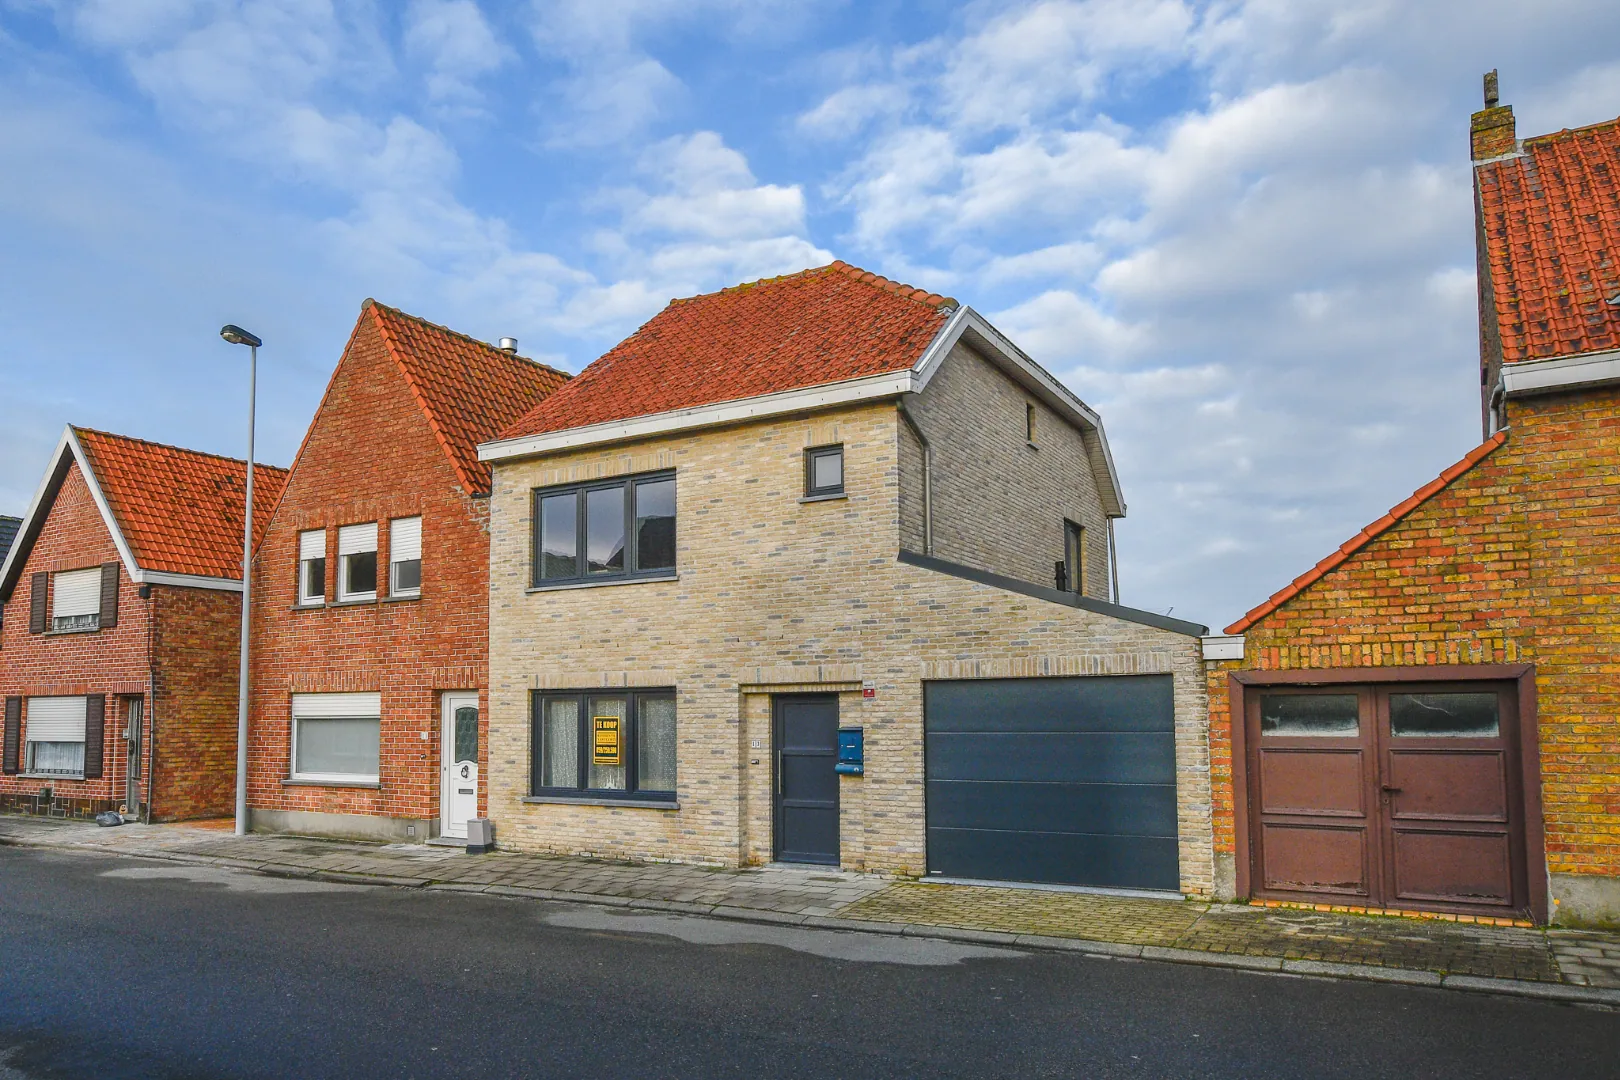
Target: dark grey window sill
x,y
405,599
353,603
373,785
563,586
829,497
587,800
313,605
1031,445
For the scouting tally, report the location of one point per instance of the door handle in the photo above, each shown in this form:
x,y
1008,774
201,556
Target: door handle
x,y
1392,790
779,772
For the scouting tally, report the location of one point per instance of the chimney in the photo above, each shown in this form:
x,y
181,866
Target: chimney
x,y
1491,130
509,344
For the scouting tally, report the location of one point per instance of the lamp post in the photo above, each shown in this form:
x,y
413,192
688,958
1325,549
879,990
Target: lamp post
x,y
238,336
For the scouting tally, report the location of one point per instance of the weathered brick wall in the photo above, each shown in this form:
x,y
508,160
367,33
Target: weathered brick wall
x,y
111,661
370,455
195,649
1513,562
999,502
775,595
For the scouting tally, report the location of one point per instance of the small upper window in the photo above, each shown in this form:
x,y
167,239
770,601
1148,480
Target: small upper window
x,y
405,557
76,603
824,471
357,562
1029,422
312,566
1074,557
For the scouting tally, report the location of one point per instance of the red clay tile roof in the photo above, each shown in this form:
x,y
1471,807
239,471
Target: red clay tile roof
x,y
468,389
179,510
815,327
1365,536
1551,218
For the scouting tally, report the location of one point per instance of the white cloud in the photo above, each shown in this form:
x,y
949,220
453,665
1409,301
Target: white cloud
x,y
453,38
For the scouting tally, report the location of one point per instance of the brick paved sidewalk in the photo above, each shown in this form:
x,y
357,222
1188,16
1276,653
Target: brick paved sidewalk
x,y
1277,938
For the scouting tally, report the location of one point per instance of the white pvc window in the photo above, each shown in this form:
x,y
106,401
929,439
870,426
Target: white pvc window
x,y
405,557
76,604
357,562
312,566
55,729
336,738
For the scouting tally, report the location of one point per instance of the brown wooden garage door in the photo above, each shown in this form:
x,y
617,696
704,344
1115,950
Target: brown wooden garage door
x,y
1401,796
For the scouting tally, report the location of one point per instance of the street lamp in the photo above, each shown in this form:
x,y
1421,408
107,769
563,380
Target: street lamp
x,y
238,336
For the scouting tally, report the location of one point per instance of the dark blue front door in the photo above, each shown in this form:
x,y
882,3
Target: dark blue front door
x,y
806,781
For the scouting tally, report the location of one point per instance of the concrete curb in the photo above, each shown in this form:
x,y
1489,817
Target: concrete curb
x,y
1562,993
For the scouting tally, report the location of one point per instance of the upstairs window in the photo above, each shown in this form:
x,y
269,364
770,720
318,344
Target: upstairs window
x,y
603,532
1074,557
312,567
357,562
823,471
405,557
76,600
1029,423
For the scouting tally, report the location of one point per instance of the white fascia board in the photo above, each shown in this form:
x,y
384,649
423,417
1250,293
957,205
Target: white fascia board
x,y
1223,646
887,384
1561,373
187,581
45,497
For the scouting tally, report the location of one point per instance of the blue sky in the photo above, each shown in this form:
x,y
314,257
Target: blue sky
x,y
1242,231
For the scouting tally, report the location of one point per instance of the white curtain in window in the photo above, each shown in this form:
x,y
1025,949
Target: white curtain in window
x,y
405,539
312,544
56,719
353,539
78,592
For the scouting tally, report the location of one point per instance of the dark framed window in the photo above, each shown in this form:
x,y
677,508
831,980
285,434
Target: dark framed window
x,y
1074,556
605,531
823,471
604,743
1029,422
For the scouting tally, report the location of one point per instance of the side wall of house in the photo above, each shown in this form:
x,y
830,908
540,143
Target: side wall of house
x,y
778,596
110,661
1511,563
371,456
999,500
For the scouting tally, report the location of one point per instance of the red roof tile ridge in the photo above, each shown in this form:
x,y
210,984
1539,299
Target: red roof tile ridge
x,y
1564,133
378,304
1343,552
836,266
79,429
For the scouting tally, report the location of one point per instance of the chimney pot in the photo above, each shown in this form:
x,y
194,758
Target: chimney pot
x,y
1493,94
1491,131
509,344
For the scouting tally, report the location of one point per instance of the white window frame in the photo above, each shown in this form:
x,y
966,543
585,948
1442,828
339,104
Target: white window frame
x,y
404,537
34,723
355,540
82,616
311,546
358,706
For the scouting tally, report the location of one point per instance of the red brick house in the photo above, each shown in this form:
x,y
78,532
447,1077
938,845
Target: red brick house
x,y
121,605
1430,717
371,597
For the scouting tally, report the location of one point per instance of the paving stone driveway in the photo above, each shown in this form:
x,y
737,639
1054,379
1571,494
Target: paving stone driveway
x,y
793,893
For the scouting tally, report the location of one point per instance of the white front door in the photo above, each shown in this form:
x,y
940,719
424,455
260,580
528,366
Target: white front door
x,y
458,769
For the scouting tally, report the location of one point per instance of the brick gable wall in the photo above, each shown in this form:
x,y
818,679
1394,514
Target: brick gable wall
x,y
370,456
1515,561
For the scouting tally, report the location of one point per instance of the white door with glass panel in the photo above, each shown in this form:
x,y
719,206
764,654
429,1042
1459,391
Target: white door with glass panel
x,y
458,770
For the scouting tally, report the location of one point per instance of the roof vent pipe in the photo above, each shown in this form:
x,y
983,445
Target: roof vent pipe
x,y
509,344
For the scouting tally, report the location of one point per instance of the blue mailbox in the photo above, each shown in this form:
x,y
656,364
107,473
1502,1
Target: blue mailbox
x,y
851,752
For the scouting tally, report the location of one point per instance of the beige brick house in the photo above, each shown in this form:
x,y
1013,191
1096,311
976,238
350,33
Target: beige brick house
x,y
817,569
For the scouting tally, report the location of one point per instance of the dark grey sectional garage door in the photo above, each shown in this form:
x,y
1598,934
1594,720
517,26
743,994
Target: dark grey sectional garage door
x,y
1070,781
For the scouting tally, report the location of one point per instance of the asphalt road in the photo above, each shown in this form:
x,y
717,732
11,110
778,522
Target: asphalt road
x,y
113,968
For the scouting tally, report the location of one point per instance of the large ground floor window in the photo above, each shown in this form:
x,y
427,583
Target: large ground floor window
x,y
336,738
56,730
615,744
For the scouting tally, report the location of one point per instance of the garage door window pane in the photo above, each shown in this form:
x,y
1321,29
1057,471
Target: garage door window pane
x,y
1336,716
1454,716
338,747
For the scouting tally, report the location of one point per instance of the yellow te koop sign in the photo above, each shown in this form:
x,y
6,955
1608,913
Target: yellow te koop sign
x,y
606,747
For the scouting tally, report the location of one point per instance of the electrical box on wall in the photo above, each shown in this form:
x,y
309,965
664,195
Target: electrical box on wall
x,y
851,752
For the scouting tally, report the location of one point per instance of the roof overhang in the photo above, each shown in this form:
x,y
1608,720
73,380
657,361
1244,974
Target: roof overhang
x,y
965,324
1525,377
68,451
